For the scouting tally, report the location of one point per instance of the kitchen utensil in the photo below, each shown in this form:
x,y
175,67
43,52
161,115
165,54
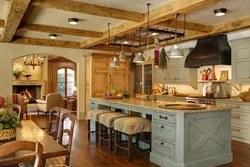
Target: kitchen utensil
x,y
122,56
209,92
208,71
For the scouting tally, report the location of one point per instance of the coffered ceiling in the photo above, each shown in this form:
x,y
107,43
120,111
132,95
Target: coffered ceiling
x,y
32,22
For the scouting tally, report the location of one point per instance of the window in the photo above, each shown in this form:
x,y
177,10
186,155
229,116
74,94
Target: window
x,y
66,81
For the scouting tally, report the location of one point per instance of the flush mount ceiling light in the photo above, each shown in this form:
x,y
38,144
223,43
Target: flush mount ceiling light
x,y
73,21
220,11
52,36
125,42
175,51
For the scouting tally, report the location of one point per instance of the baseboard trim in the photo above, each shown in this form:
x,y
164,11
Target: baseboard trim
x,y
209,162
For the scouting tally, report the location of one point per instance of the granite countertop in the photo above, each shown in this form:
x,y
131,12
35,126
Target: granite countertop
x,y
135,102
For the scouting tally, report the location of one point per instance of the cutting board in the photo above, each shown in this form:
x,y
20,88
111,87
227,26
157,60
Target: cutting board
x,y
247,98
183,106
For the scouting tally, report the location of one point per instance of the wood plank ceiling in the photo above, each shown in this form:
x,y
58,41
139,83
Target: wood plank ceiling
x,y
31,21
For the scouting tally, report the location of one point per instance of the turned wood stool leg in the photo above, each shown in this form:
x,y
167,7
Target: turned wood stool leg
x,y
110,138
96,132
116,141
88,129
129,147
100,133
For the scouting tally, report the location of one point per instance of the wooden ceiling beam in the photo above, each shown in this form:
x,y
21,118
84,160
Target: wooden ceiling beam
x,y
158,15
45,42
15,14
2,23
189,25
112,48
230,26
59,30
79,7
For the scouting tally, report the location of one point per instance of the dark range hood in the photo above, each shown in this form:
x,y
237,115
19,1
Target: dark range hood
x,y
209,51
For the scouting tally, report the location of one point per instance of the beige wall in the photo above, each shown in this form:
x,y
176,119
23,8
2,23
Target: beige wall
x,y
9,52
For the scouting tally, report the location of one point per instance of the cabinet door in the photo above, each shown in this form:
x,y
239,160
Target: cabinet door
x,y
138,79
161,76
101,76
241,57
120,78
182,72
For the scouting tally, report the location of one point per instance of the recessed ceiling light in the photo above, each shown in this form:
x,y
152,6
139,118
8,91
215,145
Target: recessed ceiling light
x,y
125,42
220,11
52,36
73,21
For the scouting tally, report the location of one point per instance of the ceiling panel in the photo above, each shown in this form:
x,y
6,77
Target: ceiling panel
x,y
235,9
3,9
53,17
42,35
139,6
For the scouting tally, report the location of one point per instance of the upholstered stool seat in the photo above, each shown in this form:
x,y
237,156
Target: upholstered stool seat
x,y
107,120
93,115
130,126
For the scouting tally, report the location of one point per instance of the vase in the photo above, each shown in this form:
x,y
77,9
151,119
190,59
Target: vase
x,y
7,134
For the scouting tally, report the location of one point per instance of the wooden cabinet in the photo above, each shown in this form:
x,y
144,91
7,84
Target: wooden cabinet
x,y
241,61
240,120
143,78
177,73
99,76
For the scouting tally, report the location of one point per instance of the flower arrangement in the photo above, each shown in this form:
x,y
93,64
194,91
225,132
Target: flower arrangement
x,y
9,120
17,73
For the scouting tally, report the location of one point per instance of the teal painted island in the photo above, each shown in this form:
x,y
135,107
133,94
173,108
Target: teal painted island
x,y
182,138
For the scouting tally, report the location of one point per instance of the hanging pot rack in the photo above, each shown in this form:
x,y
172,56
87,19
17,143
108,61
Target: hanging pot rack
x,y
163,34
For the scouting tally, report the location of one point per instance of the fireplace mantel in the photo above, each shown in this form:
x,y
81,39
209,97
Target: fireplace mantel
x,y
31,83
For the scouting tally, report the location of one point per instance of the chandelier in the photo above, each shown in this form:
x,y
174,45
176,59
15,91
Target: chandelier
x,y
34,60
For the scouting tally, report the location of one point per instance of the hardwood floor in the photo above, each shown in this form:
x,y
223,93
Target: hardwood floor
x,y
89,154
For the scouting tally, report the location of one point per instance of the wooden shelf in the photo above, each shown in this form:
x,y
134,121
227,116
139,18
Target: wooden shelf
x,y
217,81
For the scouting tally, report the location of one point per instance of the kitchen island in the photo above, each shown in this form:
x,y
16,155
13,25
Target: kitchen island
x,y
182,138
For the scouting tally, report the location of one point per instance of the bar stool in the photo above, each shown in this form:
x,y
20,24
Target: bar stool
x,y
93,115
130,126
107,120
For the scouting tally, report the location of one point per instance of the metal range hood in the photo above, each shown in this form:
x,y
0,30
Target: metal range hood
x,y
209,51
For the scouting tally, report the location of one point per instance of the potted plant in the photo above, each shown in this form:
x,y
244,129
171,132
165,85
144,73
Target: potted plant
x,y
17,73
8,123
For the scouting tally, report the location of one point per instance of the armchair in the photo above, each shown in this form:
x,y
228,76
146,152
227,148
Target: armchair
x,y
51,100
19,99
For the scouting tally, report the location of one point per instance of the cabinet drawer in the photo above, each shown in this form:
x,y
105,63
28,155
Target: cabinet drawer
x,y
240,131
240,117
164,117
92,105
164,148
163,131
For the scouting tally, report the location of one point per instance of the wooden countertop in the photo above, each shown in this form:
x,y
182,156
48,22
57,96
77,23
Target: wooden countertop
x,y
135,102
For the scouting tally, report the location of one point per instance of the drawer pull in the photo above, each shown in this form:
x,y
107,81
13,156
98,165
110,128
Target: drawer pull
x,y
162,143
235,116
235,129
161,117
92,103
162,126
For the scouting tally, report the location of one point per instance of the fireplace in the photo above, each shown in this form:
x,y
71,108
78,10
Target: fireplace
x,y
36,88
30,91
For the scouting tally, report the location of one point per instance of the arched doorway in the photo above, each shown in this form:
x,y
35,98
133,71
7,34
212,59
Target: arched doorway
x,y
43,79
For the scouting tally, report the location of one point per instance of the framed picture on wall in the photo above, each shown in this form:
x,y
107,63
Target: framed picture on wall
x,y
224,75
